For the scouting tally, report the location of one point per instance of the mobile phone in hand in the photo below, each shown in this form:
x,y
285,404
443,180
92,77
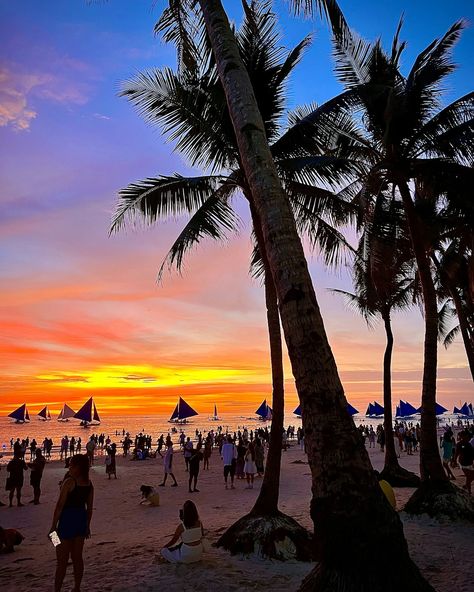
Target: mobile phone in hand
x,y
54,537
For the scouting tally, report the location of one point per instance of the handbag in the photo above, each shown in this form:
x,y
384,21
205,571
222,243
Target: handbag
x,y
9,484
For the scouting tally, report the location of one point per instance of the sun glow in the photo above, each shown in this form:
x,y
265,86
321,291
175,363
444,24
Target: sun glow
x,y
146,377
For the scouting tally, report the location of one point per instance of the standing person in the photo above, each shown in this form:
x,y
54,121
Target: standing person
x,y
37,468
259,456
90,448
72,518
207,452
188,452
240,462
465,454
448,446
110,465
15,469
79,445
194,462
168,464
249,467
33,446
229,456
72,445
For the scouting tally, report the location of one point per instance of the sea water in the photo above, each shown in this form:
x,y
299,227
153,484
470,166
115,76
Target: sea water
x,y
114,425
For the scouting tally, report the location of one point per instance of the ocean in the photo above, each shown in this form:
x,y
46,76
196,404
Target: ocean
x,y
113,426
154,425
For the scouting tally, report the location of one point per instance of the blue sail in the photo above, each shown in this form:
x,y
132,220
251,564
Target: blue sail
x,y
378,409
405,409
88,412
351,410
466,410
456,410
182,411
297,411
44,413
439,409
174,415
370,410
20,414
263,409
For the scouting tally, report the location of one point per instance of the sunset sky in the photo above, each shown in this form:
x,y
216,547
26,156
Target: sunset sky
x,y
81,313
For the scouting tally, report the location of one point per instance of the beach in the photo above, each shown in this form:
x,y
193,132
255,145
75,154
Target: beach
x,y
126,537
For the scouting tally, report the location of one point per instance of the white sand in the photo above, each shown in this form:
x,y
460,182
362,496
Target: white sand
x,y
126,537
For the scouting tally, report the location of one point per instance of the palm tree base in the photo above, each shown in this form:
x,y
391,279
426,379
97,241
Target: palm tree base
x,y
441,499
397,476
274,536
399,574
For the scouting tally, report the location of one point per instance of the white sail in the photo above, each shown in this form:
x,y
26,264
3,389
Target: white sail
x,y
66,413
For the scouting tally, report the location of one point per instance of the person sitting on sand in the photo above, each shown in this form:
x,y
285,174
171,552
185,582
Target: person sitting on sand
x,y
150,496
190,531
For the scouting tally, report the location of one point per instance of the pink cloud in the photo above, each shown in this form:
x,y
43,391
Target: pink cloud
x,y
19,89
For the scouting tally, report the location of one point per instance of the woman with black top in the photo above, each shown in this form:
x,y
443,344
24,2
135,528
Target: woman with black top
x,y
72,518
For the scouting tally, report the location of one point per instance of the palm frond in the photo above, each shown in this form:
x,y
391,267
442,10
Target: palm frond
x,y
214,219
316,129
449,133
257,268
162,197
359,305
187,114
432,65
178,26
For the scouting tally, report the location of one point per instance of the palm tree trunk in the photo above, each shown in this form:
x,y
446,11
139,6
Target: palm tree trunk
x,y
391,461
430,460
353,519
267,500
392,471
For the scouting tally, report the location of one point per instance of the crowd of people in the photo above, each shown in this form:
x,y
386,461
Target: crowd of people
x,y
242,454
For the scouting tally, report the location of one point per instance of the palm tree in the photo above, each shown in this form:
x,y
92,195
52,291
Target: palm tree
x,y
192,102
352,517
384,281
452,265
419,151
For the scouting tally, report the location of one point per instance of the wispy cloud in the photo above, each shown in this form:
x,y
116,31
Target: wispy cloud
x,y
15,109
20,90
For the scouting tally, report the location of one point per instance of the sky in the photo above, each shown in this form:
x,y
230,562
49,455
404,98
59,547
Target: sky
x,y
81,313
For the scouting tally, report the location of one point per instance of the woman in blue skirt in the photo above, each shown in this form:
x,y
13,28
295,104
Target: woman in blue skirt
x,y
71,519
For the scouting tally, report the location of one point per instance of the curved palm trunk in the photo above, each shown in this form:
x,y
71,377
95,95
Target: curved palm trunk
x,y
430,461
391,460
267,500
353,519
